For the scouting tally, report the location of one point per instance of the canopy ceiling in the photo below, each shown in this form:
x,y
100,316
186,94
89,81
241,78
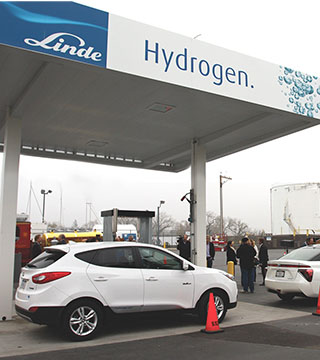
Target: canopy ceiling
x,y
76,111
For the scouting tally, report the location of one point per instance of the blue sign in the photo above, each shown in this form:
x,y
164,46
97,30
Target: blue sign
x,y
63,29
126,236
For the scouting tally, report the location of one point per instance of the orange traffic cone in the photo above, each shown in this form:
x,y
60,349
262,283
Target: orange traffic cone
x,y
212,325
318,306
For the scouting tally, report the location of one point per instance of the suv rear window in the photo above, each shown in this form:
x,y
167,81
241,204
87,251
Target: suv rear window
x,y
86,256
120,257
48,257
307,253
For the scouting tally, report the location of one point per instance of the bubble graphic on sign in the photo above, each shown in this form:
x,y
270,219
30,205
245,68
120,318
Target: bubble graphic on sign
x,y
301,90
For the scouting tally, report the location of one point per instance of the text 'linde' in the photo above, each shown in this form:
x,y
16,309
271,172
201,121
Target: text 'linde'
x,y
56,42
184,62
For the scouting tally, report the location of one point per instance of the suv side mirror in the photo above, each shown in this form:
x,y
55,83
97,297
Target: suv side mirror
x,y
185,266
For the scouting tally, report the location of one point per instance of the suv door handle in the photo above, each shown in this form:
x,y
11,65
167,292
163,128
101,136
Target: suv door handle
x,y
101,278
152,278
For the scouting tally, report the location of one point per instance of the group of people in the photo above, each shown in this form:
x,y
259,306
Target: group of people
x,y
39,243
119,238
184,248
249,256
311,241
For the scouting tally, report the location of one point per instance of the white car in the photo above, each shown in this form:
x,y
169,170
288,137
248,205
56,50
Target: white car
x,y
295,274
72,285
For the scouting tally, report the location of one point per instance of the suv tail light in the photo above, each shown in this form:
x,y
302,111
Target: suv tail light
x,y
306,273
44,278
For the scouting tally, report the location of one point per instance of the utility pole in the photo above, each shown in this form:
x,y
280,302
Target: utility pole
x,y
44,193
223,180
158,221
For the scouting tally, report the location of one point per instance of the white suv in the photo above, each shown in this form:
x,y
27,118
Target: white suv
x,y
71,285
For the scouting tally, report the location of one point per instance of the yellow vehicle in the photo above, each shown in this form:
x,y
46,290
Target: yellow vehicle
x,y
74,236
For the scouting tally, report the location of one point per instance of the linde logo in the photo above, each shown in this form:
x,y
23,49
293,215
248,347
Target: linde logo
x,y
56,42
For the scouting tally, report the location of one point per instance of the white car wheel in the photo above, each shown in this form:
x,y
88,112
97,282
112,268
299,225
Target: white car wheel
x,y
82,320
286,297
220,301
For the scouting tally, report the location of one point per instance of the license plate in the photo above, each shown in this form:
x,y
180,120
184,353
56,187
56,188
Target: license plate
x,y
280,273
23,284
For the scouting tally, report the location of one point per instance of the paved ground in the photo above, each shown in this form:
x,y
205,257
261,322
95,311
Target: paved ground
x,y
261,326
254,341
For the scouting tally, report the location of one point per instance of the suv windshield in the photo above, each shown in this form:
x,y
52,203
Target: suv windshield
x,y
45,259
306,253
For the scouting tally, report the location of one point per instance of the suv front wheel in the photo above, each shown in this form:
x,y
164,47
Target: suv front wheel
x,y
82,320
220,301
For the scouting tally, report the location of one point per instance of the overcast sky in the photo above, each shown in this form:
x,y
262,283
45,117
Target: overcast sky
x,y
282,32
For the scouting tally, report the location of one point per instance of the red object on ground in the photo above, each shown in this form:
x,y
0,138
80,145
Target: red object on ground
x,y
212,325
318,306
23,240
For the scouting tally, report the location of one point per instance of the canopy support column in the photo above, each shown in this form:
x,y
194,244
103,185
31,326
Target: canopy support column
x,y
198,184
8,212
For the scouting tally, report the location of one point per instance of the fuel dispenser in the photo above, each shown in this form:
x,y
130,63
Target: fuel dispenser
x,y
110,223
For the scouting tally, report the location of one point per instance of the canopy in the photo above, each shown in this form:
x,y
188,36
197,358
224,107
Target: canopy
x,y
95,87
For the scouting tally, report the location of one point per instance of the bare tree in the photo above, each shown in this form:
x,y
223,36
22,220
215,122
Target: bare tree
x,y
165,222
89,225
257,232
53,225
75,225
181,227
236,227
128,220
213,223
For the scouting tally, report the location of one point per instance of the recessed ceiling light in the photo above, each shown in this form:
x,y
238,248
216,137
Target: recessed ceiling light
x,y
97,143
163,108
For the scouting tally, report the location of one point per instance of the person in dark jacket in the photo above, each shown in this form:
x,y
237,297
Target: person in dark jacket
x,y
231,252
263,259
309,241
210,252
36,247
62,239
246,254
184,247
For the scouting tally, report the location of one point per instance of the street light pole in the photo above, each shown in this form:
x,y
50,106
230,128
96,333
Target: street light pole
x,y
44,193
158,221
223,180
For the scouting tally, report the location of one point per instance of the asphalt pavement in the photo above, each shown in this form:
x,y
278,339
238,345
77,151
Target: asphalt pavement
x,y
254,341
262,326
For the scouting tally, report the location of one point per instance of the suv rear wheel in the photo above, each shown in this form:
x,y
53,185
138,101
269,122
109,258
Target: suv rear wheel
x,y
286,297
220,301
82,320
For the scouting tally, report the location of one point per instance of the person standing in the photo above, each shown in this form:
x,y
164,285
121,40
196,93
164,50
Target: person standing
x,y
263,259
210,252
309,241
62,239
231,253
184,247
246,254
36,247
255,260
